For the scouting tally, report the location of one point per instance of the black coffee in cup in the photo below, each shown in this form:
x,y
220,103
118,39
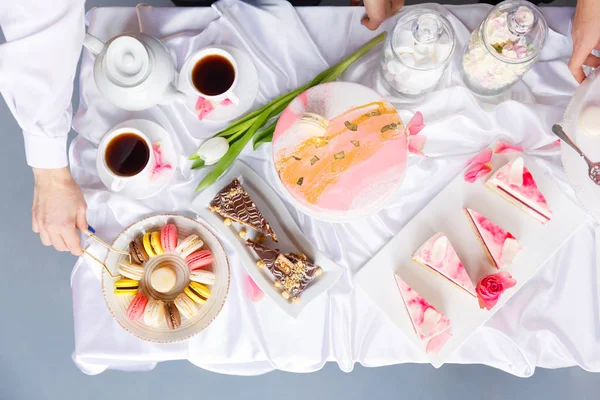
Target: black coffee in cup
x,y
213,75
127,154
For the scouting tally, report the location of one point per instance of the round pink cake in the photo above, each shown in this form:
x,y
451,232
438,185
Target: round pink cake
x,y
345,157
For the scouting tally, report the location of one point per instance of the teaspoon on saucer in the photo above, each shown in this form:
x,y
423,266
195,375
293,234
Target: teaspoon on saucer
x,y
593,167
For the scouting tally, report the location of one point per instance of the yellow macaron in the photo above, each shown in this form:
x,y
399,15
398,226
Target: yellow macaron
x,y
155,242
126,287
146,242
197,292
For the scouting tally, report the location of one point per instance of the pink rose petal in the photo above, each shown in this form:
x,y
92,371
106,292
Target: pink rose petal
x,y
491,287
476,171
436,343
503,147
416,144
252,290
159,166
415,124
203,107
484,156
226,102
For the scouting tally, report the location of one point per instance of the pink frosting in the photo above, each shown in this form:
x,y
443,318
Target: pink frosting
x,y
426,319
492,235
356,169
435,344
529,189
366,181
449,266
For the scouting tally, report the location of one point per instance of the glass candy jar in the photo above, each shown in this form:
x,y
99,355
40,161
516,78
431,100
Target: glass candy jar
x,y
417,52
504,47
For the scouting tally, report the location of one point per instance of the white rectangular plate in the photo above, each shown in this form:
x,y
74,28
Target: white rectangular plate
x,y
445,214
289,236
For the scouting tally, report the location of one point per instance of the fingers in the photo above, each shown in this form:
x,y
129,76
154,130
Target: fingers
x,y
592,61
81,221
45,238
576,68
72,241
397,5
378,11
58,242
581,53
34,224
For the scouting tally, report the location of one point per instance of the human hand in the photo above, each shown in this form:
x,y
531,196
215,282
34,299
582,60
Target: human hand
x,y
586,37
58,208
378,11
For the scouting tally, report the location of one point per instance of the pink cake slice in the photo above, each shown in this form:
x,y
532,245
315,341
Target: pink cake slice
x,y
501,245
515,183
438,254
431,326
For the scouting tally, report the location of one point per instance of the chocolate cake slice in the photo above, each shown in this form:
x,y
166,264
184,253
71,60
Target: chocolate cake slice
x,y
292,271
234,202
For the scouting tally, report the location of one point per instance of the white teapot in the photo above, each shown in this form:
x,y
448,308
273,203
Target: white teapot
x,y
134,71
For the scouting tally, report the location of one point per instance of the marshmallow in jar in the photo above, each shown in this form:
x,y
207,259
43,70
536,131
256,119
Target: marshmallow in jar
x,y
417,52
504,47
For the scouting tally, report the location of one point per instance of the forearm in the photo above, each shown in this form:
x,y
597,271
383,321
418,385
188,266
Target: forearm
x,y
37,68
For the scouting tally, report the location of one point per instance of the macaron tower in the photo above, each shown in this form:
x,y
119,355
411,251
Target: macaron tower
x,y
166,279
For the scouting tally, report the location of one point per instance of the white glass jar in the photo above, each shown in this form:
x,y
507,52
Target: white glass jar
x,y
504,47
417,52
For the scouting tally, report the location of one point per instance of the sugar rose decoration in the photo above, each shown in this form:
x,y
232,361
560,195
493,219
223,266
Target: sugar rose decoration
x,y
491,287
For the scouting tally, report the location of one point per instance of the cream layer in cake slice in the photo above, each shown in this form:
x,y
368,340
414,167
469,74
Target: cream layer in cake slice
x,y
438,254
431,326
501,246
514,182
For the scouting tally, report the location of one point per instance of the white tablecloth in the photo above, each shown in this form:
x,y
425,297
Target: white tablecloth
x,y
552,322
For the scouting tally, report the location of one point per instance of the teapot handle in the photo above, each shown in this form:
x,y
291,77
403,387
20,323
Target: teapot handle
x,y
93,44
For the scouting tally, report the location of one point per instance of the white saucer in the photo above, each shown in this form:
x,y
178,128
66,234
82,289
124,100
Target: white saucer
x,y
155,133
246,89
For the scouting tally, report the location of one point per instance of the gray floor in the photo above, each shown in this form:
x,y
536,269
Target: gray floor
x,y
37,333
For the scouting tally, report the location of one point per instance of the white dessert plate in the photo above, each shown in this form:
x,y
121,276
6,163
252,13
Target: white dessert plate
x,y
207,312
155,133
445,214
246,88
289,235
586,191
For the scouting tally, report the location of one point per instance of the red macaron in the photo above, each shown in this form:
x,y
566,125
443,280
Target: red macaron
x,y
137,306
199,259
169,237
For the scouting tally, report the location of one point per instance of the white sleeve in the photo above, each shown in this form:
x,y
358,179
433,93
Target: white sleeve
x,y
37,67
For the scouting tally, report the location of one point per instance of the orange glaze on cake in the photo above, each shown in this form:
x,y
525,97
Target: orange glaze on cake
x,y
319,162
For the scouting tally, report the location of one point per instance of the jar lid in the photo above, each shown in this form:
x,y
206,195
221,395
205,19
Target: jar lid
x,y
423,39
515,31
127,61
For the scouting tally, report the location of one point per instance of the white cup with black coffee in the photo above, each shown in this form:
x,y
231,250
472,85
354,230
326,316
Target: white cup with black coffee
x,y
213,74
126,156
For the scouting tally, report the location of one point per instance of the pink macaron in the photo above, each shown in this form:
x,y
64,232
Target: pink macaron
x,y
168,237
137,306
199,259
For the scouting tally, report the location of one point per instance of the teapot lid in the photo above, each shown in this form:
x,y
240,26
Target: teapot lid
x,y
127,61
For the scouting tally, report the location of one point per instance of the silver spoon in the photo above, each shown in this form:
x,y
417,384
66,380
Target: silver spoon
x,y
593,167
